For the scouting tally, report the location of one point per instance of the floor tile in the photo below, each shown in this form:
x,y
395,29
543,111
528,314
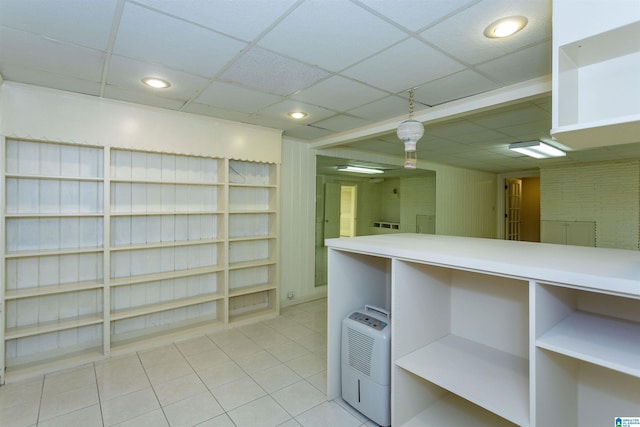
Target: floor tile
x,y
256,362
291,423
196,345
276,378
20,415
56,404
160,355
308,365
69,379
328,414
129,406
226,337
314,342
287,351
152,419
86,417
299,397
221,374
319,381
219,421
120,383
21,393
179,389
167,371
193,411
241,348
237,393
207,359
263,412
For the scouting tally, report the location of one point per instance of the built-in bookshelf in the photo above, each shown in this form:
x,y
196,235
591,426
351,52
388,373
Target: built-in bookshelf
x,y
109,249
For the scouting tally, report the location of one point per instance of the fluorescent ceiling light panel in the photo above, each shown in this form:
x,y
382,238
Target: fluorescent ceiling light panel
x,y
536,149
359,169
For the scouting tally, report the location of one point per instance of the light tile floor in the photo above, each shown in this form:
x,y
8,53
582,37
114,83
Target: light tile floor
x,y
271,373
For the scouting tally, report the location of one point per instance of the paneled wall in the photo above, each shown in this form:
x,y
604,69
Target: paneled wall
x,y
605,192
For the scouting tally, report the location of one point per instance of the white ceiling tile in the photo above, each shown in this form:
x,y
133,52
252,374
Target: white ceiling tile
x,y
48,79
281,109
523,65
342,123
391,106
141,97
416,14
452,87
340,94
128,74
244,19
220,113
331,34
379,146
84,22
34,52
454,128
532,130
223,95
462,34
266,71
410,62
307,132
151,36
526,112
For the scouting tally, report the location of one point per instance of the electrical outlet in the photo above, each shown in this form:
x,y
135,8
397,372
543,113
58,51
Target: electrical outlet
x,y
291,295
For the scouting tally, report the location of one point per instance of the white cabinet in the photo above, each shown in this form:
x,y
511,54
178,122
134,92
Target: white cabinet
x,y
495,333
596,73
109,249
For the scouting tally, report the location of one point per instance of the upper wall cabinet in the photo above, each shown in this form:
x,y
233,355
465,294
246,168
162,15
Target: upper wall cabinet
x,y
596,73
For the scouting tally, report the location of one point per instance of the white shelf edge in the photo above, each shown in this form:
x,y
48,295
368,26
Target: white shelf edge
x,y
266,211
248,290
248,264
239,185
50,252
54,326
490,378
166,213
167,244
153,181
54,177
250,238
13,294
54,214
163,306
144,278
600,340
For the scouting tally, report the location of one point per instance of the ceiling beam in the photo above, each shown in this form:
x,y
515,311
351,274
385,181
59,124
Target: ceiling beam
x,y
507,95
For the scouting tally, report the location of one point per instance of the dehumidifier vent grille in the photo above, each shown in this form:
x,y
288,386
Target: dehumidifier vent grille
x,y
360,351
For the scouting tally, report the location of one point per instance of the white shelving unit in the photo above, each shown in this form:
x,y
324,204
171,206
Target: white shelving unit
x,y
253,244
596,74
495,333
109,250
53,254
167,237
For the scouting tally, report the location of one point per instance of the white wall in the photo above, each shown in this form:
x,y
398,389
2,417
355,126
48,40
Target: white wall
x,y
605,192
32,112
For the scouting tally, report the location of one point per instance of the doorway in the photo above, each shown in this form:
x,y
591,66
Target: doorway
x,y
522,209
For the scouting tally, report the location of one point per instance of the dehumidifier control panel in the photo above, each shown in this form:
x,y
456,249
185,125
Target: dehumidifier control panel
x,y
368,320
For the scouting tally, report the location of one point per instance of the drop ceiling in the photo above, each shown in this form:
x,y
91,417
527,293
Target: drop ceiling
x,y
346,63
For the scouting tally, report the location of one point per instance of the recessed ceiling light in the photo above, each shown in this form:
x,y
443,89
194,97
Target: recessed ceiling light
x,y
359,169
156,83
297,115
505,27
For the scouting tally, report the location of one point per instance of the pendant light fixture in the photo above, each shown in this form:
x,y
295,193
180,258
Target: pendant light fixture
x,y
409,132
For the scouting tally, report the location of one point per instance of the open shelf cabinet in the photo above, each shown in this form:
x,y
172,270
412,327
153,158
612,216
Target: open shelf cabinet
x,y
494,333
110,249
596,76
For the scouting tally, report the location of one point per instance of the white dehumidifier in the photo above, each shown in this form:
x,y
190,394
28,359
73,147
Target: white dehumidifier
x,y
366,363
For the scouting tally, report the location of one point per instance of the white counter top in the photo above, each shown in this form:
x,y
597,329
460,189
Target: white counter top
x,y
607,270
